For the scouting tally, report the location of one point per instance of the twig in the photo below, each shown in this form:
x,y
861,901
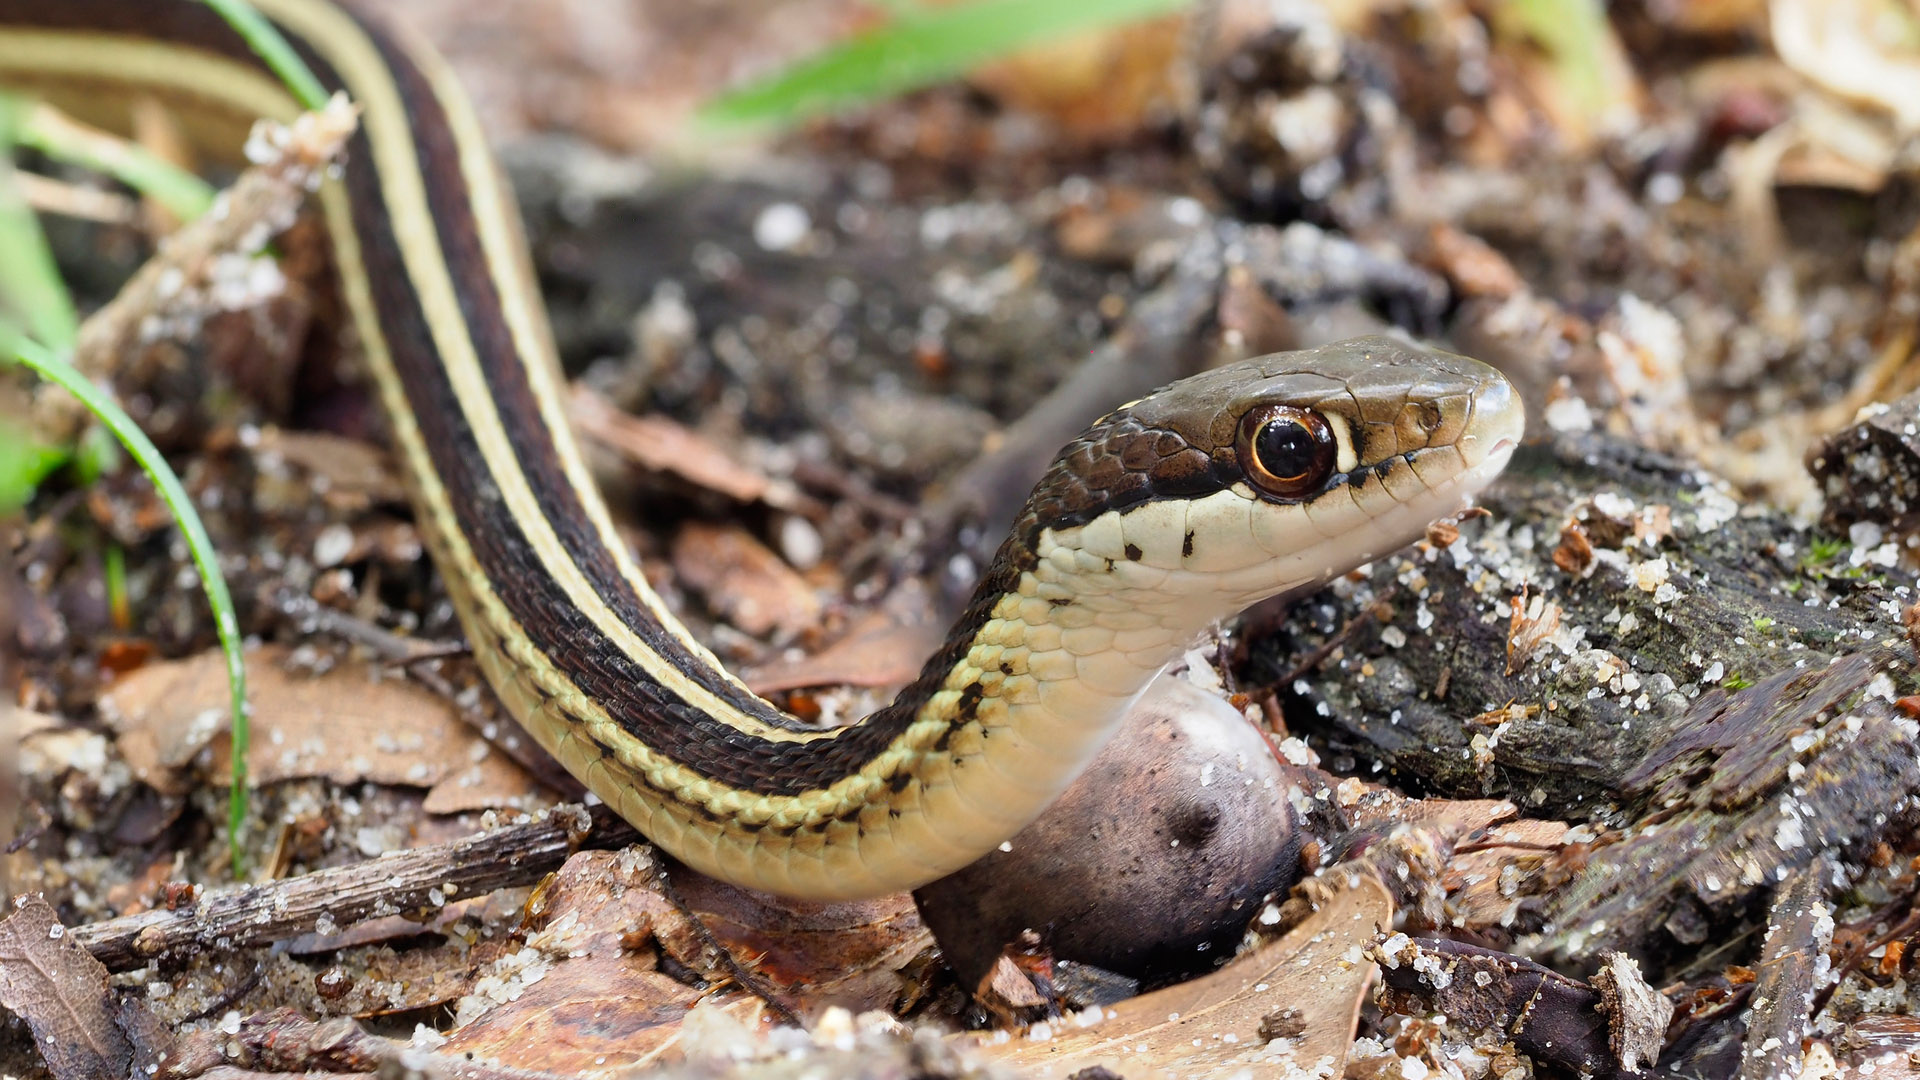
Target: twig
x,y
283,1041
177,284
228,997
309,616
410,880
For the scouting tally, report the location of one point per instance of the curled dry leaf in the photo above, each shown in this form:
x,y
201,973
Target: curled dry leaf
x,y
1574,554
584,995
659,445
348,475
1444,532
1488,882
344,723
884,647
814,955
1242,1017
744,581
49,980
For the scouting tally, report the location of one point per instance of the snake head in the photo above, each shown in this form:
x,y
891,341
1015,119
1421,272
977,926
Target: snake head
x,y
1264,477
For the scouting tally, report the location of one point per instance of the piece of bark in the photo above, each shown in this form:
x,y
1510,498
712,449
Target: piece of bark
x,y
1748,791
1637,1014
48,980
1719,789
408,880
1791,971
1548,1016
1869,471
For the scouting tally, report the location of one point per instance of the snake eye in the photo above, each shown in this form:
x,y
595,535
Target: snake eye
x,y
1286,453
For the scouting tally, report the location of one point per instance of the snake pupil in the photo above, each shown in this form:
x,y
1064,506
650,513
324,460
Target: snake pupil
x,y
1286,452
1286,449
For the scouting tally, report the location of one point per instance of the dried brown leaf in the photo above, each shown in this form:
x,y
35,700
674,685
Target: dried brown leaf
x,y
1481,881
345,724
1574,554
885,647
660,445
581,997
347,474
744,581
816,955
1308,973
1474,266
50,981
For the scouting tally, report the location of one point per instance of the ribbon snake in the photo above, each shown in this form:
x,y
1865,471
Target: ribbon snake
x,y
1173,512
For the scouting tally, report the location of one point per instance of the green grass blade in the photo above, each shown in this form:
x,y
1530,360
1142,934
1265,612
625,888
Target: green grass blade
x,y
24,462
185,195
269,46
1575,33
31,292
922,47
54,369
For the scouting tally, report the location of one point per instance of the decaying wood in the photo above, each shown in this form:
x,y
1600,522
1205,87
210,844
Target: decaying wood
x,y
1870,471
1721,689
1791,969
1555,1019
421,879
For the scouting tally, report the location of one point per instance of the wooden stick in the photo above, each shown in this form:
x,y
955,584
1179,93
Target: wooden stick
x,y
421,879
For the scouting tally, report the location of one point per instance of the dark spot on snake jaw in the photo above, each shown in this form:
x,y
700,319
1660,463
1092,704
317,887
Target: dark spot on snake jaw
x,y
1006,668
899,782
970,700
1133,553
1186,546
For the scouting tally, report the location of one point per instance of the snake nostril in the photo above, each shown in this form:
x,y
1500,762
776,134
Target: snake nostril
x,y
1430,417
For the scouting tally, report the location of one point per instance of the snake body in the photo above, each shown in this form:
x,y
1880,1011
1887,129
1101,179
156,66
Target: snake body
x,y
1175,511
